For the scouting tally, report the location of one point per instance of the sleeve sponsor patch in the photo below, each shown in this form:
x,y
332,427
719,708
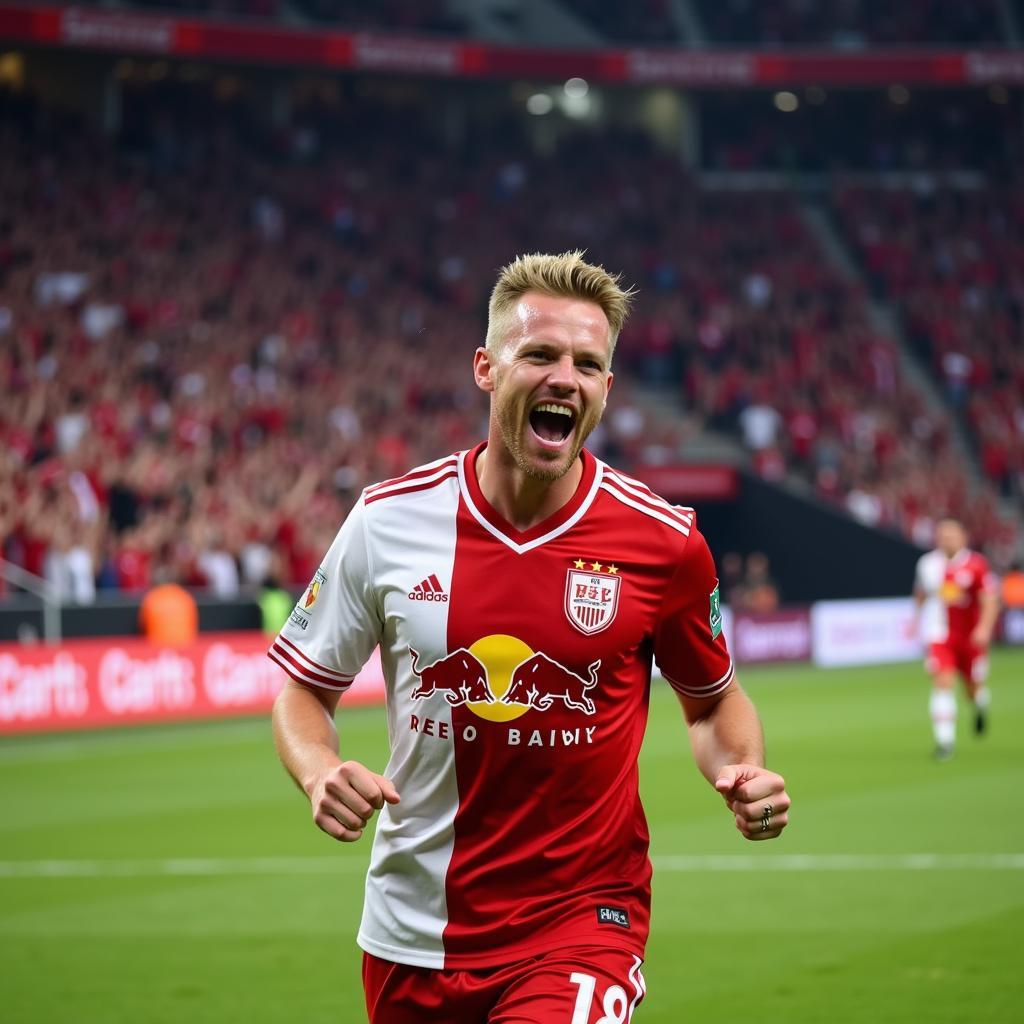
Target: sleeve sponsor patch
x,y
715,618
313,590
613,915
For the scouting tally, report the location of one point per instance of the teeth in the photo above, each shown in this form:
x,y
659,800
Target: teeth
x,y
550,407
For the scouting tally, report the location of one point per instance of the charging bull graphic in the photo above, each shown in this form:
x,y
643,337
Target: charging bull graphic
x,y
539,681
460,675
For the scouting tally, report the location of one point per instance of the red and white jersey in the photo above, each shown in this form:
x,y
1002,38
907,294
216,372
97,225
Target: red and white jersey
x,y
518,673
952,588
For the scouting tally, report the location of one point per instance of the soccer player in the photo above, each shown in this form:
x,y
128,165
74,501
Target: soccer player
x,y
517,592
957,600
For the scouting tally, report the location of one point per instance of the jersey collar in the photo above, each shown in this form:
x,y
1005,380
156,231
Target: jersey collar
x,y
960,557
555,525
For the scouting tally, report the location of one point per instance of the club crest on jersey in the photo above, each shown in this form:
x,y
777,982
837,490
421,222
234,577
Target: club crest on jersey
x,y
591,596
313,590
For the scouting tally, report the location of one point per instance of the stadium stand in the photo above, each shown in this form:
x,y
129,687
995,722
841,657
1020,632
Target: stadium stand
x,y
953,263
400,16
231,9
217,329
771,342
393,15
897,129
644,21
246,346
852,23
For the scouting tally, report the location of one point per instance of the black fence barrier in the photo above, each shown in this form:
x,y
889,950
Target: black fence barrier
x,y
21,617
816,552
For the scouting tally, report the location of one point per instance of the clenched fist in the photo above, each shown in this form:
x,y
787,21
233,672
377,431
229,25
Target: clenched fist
x,y
345,799
757,798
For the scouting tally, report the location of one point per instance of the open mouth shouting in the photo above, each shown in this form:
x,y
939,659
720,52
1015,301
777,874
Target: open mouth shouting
x,y
552,424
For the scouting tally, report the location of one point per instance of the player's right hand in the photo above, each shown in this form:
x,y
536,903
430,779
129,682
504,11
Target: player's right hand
x,y
345,799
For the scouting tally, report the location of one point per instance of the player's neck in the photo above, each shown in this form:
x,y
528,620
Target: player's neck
x,y
521,500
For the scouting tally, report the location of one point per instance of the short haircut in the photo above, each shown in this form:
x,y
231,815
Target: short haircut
x,y
566,275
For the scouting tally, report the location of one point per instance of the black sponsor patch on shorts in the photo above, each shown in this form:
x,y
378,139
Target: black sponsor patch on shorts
x,y
613,915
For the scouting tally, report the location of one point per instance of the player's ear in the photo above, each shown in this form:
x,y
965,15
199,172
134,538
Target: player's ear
x,y
609,381
483,368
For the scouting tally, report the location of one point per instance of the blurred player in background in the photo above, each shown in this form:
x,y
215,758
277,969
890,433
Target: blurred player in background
x,y
957,601
517,592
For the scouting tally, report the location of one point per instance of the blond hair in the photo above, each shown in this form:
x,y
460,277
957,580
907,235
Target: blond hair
x,y
565,275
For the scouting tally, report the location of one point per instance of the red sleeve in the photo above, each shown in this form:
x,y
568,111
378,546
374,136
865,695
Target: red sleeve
x,y
986,579
689,646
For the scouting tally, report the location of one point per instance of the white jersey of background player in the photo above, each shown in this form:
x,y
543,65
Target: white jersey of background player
x,y
957,599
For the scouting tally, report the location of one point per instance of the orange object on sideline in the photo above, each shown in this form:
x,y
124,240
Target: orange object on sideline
x,y
1013,589
169,616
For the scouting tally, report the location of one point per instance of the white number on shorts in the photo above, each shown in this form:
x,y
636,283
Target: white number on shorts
x,y
587,983
615,1003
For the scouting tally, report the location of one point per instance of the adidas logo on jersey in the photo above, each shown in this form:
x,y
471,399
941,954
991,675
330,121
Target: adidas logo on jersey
x,y
429,589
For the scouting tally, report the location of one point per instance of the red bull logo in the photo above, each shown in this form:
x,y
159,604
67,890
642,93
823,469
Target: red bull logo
x,y
461,677
539,681
500,678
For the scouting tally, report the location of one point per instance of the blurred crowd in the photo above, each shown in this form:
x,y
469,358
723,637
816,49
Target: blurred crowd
x,y
214,333
385,15
897,130
848,24
257,9
953,262
210,346
746,584
643,22
769,339
853,23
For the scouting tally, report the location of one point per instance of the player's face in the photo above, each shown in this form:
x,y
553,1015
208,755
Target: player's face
x,y
950,537
548,382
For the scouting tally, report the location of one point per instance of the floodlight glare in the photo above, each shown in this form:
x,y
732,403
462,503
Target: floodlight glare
x,y
540,103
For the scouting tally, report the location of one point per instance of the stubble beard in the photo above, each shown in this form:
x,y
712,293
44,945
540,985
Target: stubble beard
x,y
511,431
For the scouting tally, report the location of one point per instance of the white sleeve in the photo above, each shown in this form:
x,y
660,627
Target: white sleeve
x,y
337,623
919,581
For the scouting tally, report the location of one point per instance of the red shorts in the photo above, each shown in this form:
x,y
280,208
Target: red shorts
x,y
970,661
592,985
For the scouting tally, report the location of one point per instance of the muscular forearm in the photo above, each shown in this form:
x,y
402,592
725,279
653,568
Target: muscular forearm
x,y
343,794
989,613
728,733
305,736
728,746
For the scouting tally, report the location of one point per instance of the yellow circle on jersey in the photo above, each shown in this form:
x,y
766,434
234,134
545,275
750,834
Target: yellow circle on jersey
x,y
500,654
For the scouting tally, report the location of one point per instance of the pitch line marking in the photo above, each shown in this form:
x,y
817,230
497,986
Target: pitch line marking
x,y
843,862
204,867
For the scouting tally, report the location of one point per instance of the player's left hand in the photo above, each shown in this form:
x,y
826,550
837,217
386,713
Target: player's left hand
x,y
981,637
757,798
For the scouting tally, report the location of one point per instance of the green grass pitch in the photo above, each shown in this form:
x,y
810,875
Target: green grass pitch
x,y
173,874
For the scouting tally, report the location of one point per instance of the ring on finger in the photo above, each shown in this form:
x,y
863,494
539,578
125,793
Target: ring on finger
x,y
766,817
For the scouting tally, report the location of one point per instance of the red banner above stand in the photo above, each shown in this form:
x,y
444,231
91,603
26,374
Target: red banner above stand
x,y
194,38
